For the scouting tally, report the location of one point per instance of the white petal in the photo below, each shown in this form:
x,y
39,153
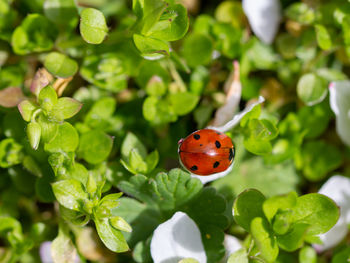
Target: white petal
x,y
176,239
232,244
233,88
338,189
45,252
237,118
264,17
209,178
340,103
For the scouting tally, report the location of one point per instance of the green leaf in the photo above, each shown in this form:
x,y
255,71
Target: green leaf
x,y
100,112
35,34
262,129
208,208
120,224
258,147
65,108
95,146
346,30
209,211
142,218
293,239
27,108
9,224
324,40
61,12
253,114
91,186
158,111
156,86
247,206
136,162
93,27
240,256
151,48
151,13
264,239
314,119
173,24
60,65
275,203
342,256
152,160
34,134
49,129
174,189
301,13
282,222
197,50
316,210
62,247
131,142
66,140
188,260
311,89
70,193
142,251
318,158
138,187
112,238
10,153
183,102
47,98
307,255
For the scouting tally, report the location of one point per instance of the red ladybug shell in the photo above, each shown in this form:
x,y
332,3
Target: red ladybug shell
x,y
206,152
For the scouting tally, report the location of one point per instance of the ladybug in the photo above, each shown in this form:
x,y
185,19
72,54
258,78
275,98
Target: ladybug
x,y
206,152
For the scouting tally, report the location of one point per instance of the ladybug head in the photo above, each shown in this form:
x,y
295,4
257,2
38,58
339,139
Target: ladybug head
x,y
180,141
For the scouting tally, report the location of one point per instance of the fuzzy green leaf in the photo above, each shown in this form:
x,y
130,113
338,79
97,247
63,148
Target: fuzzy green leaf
x,y
247,206
111,237
95,146
93,27
240,256
70,193
66,140
265,239
318,211
65,108
60,65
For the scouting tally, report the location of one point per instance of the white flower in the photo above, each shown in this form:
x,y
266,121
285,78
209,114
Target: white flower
x,y
232,244
338,189
264,17
176,239
180,238
340,103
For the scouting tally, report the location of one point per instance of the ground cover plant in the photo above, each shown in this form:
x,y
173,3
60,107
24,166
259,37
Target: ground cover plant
x,y
95,95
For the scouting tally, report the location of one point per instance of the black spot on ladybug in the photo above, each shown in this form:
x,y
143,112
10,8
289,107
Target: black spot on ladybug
x,y
217,144
194,168
216,164
201,145
218,133
230,157
196,136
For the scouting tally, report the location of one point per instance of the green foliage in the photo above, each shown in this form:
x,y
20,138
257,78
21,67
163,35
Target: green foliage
x,y
93,27
285,221
35,34
104,91
60,65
